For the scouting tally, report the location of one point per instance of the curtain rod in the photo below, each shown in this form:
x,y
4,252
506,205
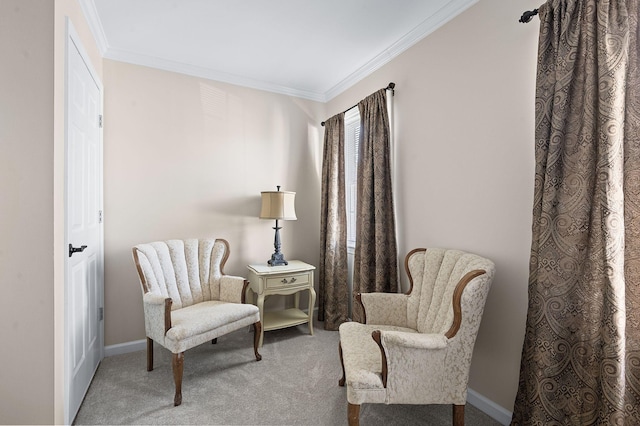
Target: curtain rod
x,y
528,15
391,86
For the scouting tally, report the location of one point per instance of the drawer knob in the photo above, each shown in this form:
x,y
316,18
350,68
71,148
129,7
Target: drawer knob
x,y
284,280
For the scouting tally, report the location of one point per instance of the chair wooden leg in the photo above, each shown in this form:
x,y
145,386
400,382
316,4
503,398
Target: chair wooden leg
x,y
257,328
344,377
149,354
353,414
178,368
458,415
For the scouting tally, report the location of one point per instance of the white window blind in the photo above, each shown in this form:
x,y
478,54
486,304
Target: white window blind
x,y
352,140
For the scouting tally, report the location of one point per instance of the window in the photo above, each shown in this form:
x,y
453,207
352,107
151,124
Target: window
x,y
352,141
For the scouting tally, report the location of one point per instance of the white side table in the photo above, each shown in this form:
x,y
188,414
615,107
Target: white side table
x,y
265,280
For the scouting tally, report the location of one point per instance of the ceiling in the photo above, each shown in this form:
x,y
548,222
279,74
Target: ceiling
x,y
313,49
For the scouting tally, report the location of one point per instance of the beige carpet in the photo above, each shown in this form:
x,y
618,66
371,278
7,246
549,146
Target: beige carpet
x,y
296,383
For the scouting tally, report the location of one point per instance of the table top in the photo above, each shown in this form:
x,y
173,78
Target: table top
x,y
293,266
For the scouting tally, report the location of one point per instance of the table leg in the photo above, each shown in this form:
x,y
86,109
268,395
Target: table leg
x,y
261,308
312,302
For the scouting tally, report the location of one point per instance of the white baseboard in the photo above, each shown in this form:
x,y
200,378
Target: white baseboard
x,y
489,407
125,348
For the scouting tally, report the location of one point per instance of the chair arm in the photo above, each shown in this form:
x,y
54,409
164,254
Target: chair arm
x,y
157,315
233,289
153,299
393,339
412,363
384,308
393,343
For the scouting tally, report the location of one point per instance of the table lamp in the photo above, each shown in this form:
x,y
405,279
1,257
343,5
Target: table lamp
x,y
278,205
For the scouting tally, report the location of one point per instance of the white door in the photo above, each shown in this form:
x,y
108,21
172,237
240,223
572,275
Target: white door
x,y
84,252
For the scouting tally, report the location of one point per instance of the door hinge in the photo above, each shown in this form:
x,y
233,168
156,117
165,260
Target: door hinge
x,y
100,314
99,216
100,121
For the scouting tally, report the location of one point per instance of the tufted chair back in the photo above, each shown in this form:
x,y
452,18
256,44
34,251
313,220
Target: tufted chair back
x,y
187,271
435,275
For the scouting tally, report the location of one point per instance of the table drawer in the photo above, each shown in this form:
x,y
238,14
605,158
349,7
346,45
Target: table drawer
x,y
287,281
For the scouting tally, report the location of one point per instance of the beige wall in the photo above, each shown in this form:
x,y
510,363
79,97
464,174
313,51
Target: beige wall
x,y
187,157
26,211
464,111
32,38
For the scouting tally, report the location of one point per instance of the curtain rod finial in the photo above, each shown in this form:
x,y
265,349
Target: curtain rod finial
x,y
528,15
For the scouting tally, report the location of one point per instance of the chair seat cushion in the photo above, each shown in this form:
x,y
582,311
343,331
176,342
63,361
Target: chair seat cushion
x,y
203,321
363,361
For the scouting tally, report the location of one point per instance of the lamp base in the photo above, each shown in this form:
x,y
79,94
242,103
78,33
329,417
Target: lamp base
x,y
277,259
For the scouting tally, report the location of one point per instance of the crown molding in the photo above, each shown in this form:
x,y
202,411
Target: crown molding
x,y
428,26
95,25
208,73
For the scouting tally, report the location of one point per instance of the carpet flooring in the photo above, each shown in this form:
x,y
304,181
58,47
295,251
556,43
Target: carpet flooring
x,y
296,383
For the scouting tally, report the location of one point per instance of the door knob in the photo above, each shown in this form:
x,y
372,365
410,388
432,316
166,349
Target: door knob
x,y
73,249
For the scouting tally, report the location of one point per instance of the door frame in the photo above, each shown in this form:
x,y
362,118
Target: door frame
x,y
72,40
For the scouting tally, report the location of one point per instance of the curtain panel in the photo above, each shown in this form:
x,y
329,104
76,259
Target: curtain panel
x,y
375,258
333,297
581,354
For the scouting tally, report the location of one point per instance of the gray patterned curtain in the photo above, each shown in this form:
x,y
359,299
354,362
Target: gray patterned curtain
x,y
333,297
375,259
581,355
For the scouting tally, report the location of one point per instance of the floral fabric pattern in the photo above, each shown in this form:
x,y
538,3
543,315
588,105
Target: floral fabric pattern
x,y
581,353
375,259
333,297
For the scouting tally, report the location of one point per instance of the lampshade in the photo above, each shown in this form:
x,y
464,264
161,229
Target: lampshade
x,y
278,205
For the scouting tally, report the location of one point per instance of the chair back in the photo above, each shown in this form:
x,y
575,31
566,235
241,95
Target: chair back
x,y
187,271
438,277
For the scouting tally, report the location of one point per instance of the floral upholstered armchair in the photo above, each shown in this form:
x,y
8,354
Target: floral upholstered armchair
x,y
188,300
416,348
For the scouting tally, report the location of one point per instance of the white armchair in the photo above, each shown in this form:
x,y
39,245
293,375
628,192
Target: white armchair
x,y
416,348
188,300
